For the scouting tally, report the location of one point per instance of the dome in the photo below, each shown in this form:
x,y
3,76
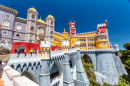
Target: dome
x,y
50,16
32,9
41,20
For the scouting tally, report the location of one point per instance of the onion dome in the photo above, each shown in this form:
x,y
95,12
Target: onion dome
x,y
50,16
32,9
41,20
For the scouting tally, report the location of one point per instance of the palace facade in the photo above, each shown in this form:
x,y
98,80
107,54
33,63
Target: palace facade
x,y
15,29
32,29
89,40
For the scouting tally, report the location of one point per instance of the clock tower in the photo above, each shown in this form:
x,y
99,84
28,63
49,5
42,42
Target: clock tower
x,y
72,29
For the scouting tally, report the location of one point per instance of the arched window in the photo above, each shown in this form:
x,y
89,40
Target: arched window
x,y
51,33
19,26
32,28
33,16
51,22
6,23
42,30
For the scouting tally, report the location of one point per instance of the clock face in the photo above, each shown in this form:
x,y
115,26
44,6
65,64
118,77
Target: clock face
x,y
103,43
72,26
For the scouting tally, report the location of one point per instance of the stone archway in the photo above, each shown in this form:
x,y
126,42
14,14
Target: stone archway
x,y
73,67
21,48
87,58
29,76
56,74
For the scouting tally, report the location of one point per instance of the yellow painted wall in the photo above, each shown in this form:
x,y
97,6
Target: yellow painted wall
x,y
99,45
72,41
66,36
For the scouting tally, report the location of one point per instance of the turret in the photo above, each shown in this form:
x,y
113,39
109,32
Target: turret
x,y
65,46
45,48
116,47
50,28
77,45
72,29
32,16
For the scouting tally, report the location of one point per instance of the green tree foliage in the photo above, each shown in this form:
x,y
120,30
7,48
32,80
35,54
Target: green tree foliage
x,y
125,57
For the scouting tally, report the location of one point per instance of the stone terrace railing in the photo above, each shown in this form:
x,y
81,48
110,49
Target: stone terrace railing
x,y
98,50
28,59
73,50
13,78
57,53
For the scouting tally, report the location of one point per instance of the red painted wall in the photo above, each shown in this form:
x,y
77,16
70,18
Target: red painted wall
x,y
27,45
102,29
31,45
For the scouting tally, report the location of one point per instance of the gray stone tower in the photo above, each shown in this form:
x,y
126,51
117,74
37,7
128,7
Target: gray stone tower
x,y
31,30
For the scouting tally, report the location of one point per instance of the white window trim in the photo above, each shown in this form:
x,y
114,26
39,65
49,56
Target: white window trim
x,y
3,23
19,24
3,31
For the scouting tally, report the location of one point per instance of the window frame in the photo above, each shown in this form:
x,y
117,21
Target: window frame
x,y
17,25
3,31
4,21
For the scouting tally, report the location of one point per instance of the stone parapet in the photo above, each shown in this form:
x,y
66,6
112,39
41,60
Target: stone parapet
x,y
13,78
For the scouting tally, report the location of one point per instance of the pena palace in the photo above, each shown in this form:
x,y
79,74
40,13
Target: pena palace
x,y
30,31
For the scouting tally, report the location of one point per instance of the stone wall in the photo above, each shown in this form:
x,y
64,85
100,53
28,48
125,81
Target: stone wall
x,y
13,78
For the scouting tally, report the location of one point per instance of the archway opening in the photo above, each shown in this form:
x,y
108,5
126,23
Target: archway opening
x,y
29,76
87,59
21,48
56,74
70,63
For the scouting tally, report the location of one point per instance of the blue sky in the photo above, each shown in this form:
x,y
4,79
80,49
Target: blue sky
x,y
86,13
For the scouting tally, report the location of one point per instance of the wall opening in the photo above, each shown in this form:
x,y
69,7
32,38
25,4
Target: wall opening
x,y
29,76
87,58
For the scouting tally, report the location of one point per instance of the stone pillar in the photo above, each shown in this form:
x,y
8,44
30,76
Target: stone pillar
x,y
45,66
67,77
81,77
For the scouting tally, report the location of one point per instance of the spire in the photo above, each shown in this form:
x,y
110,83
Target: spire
x,y
64,29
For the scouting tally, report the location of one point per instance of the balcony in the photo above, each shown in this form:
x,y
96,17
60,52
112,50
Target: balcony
x,y
101,40
101,34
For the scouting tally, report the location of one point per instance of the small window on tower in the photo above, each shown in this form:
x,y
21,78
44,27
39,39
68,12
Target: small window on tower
x,y
32,28
72,31
33,16
17,35
51,22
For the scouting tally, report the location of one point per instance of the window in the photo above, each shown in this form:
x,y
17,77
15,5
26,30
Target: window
x,y
7,16
72,41
51,22
32,28
51,32
17,35
55,36
6,23
103,43
31,35
33,16
72,31
65,35
19,26
41,30
5,32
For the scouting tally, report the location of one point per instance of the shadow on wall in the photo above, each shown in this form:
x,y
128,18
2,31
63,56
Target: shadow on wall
x,y
87,58
29,76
